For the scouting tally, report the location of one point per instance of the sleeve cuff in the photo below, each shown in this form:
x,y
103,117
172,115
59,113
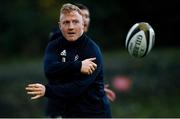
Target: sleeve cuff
x,y
77,66
47,91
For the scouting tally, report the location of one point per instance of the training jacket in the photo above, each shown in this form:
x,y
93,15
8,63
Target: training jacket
x,y
71,93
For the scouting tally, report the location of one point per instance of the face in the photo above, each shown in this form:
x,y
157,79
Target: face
x,y
71,25
86,19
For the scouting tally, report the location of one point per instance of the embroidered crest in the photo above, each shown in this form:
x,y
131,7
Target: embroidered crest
x,y
76,57
63,54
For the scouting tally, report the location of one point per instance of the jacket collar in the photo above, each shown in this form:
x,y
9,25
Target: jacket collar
x,y
76,43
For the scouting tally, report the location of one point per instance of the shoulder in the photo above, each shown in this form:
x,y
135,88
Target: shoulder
x,y
54,34
91,44
92,49
53,44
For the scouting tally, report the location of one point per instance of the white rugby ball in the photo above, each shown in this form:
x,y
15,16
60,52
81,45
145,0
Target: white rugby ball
x,y
140,39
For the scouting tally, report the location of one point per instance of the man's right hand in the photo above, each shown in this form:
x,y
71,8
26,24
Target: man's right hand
x,y
88,66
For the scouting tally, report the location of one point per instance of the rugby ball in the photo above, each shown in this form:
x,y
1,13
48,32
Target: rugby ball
x,y
140,39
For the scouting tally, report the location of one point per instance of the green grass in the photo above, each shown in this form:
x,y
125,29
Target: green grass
x,y
154,92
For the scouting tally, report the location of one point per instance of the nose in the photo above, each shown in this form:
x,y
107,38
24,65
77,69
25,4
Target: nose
x,y
71,25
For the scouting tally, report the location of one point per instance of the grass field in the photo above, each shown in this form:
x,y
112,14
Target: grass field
x,y
154,91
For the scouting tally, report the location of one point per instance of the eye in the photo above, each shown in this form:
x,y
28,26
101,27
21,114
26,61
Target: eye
x,y
66,22
75,21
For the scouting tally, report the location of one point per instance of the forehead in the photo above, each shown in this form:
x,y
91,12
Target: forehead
x,y
85,12
70,15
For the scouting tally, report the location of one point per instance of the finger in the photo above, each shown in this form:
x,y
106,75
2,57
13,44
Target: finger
x,y
32,89
92,59
94,65
110,94
35,97
34,85
110,98
90,71
92,68
34,93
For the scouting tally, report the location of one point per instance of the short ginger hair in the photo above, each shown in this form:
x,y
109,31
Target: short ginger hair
x,y
67,8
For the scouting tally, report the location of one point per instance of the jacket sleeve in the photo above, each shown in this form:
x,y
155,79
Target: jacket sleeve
x,y
76,87
53,67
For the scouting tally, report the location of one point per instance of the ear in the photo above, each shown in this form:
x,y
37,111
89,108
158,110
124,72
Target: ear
x,y
59,24
83,23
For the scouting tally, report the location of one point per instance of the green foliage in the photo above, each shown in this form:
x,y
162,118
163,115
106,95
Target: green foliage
x,y
154,92
14,77
25,24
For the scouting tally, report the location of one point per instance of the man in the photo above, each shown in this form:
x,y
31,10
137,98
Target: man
x,y
56,33
86,16
71,91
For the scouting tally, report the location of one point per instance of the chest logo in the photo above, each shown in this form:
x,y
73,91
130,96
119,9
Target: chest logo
x,y
63,54
76,57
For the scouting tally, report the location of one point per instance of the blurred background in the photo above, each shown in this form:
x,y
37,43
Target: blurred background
x,y
145,87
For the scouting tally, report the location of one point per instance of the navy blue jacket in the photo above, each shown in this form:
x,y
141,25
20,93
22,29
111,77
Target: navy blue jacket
x,y
71,93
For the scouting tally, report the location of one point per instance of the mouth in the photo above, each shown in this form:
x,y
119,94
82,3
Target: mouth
x,y
71,33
